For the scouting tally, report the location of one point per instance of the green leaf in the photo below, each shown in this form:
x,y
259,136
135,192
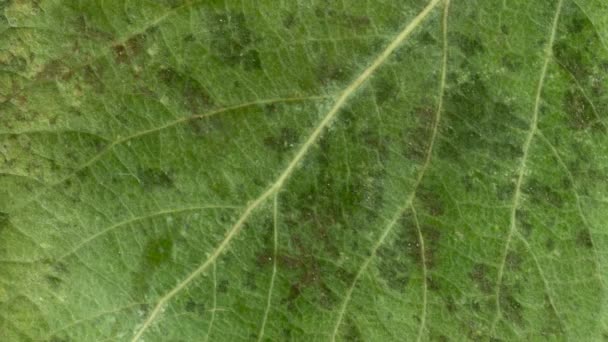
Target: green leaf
x,y
303,170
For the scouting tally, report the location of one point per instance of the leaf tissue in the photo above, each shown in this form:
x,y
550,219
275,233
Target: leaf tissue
x,y
415,170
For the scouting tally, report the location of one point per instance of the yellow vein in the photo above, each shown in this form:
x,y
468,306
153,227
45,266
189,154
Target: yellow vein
x,y
276,186
214,304
408,201
424,275
522,166
275,216
139,134
137,219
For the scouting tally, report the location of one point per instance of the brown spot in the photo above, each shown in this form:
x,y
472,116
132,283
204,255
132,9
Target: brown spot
x,y
135,44
120,53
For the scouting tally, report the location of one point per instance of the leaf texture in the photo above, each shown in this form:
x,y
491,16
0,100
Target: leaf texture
x,y
417,170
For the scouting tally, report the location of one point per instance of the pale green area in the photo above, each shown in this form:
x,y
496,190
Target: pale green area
x,y
135,134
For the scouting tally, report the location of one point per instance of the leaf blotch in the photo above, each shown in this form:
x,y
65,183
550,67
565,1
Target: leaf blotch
x,y
580,111
480,276
393,265
542,193
511,308
584,239
284,141
4,221
233,41
154,177
156,253
53,281
191,93
195,307
120,53
470,46
352,333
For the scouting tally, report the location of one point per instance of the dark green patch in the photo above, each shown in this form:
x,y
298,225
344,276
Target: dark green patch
x,y
55,70
232,41
289,21
426,38
584,239
59,339
469,45
581,115
223,286
4,220
524,224
511,308
356,23
328,73
190,91
391,257
251,61
352,333
120,53
431,237
550,244
504,192
513,261
205,125
432,283
541,193
156,253
135,44
417,140
249,281
93,77
431,201
384,89
450,304
153,177
195,307
480,276
284,141
512,61
53,281
469,110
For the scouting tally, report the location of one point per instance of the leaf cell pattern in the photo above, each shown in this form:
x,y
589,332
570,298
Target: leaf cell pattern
x,y
303,170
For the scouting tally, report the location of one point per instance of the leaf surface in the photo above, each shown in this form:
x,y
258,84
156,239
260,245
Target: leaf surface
x,y
303,170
